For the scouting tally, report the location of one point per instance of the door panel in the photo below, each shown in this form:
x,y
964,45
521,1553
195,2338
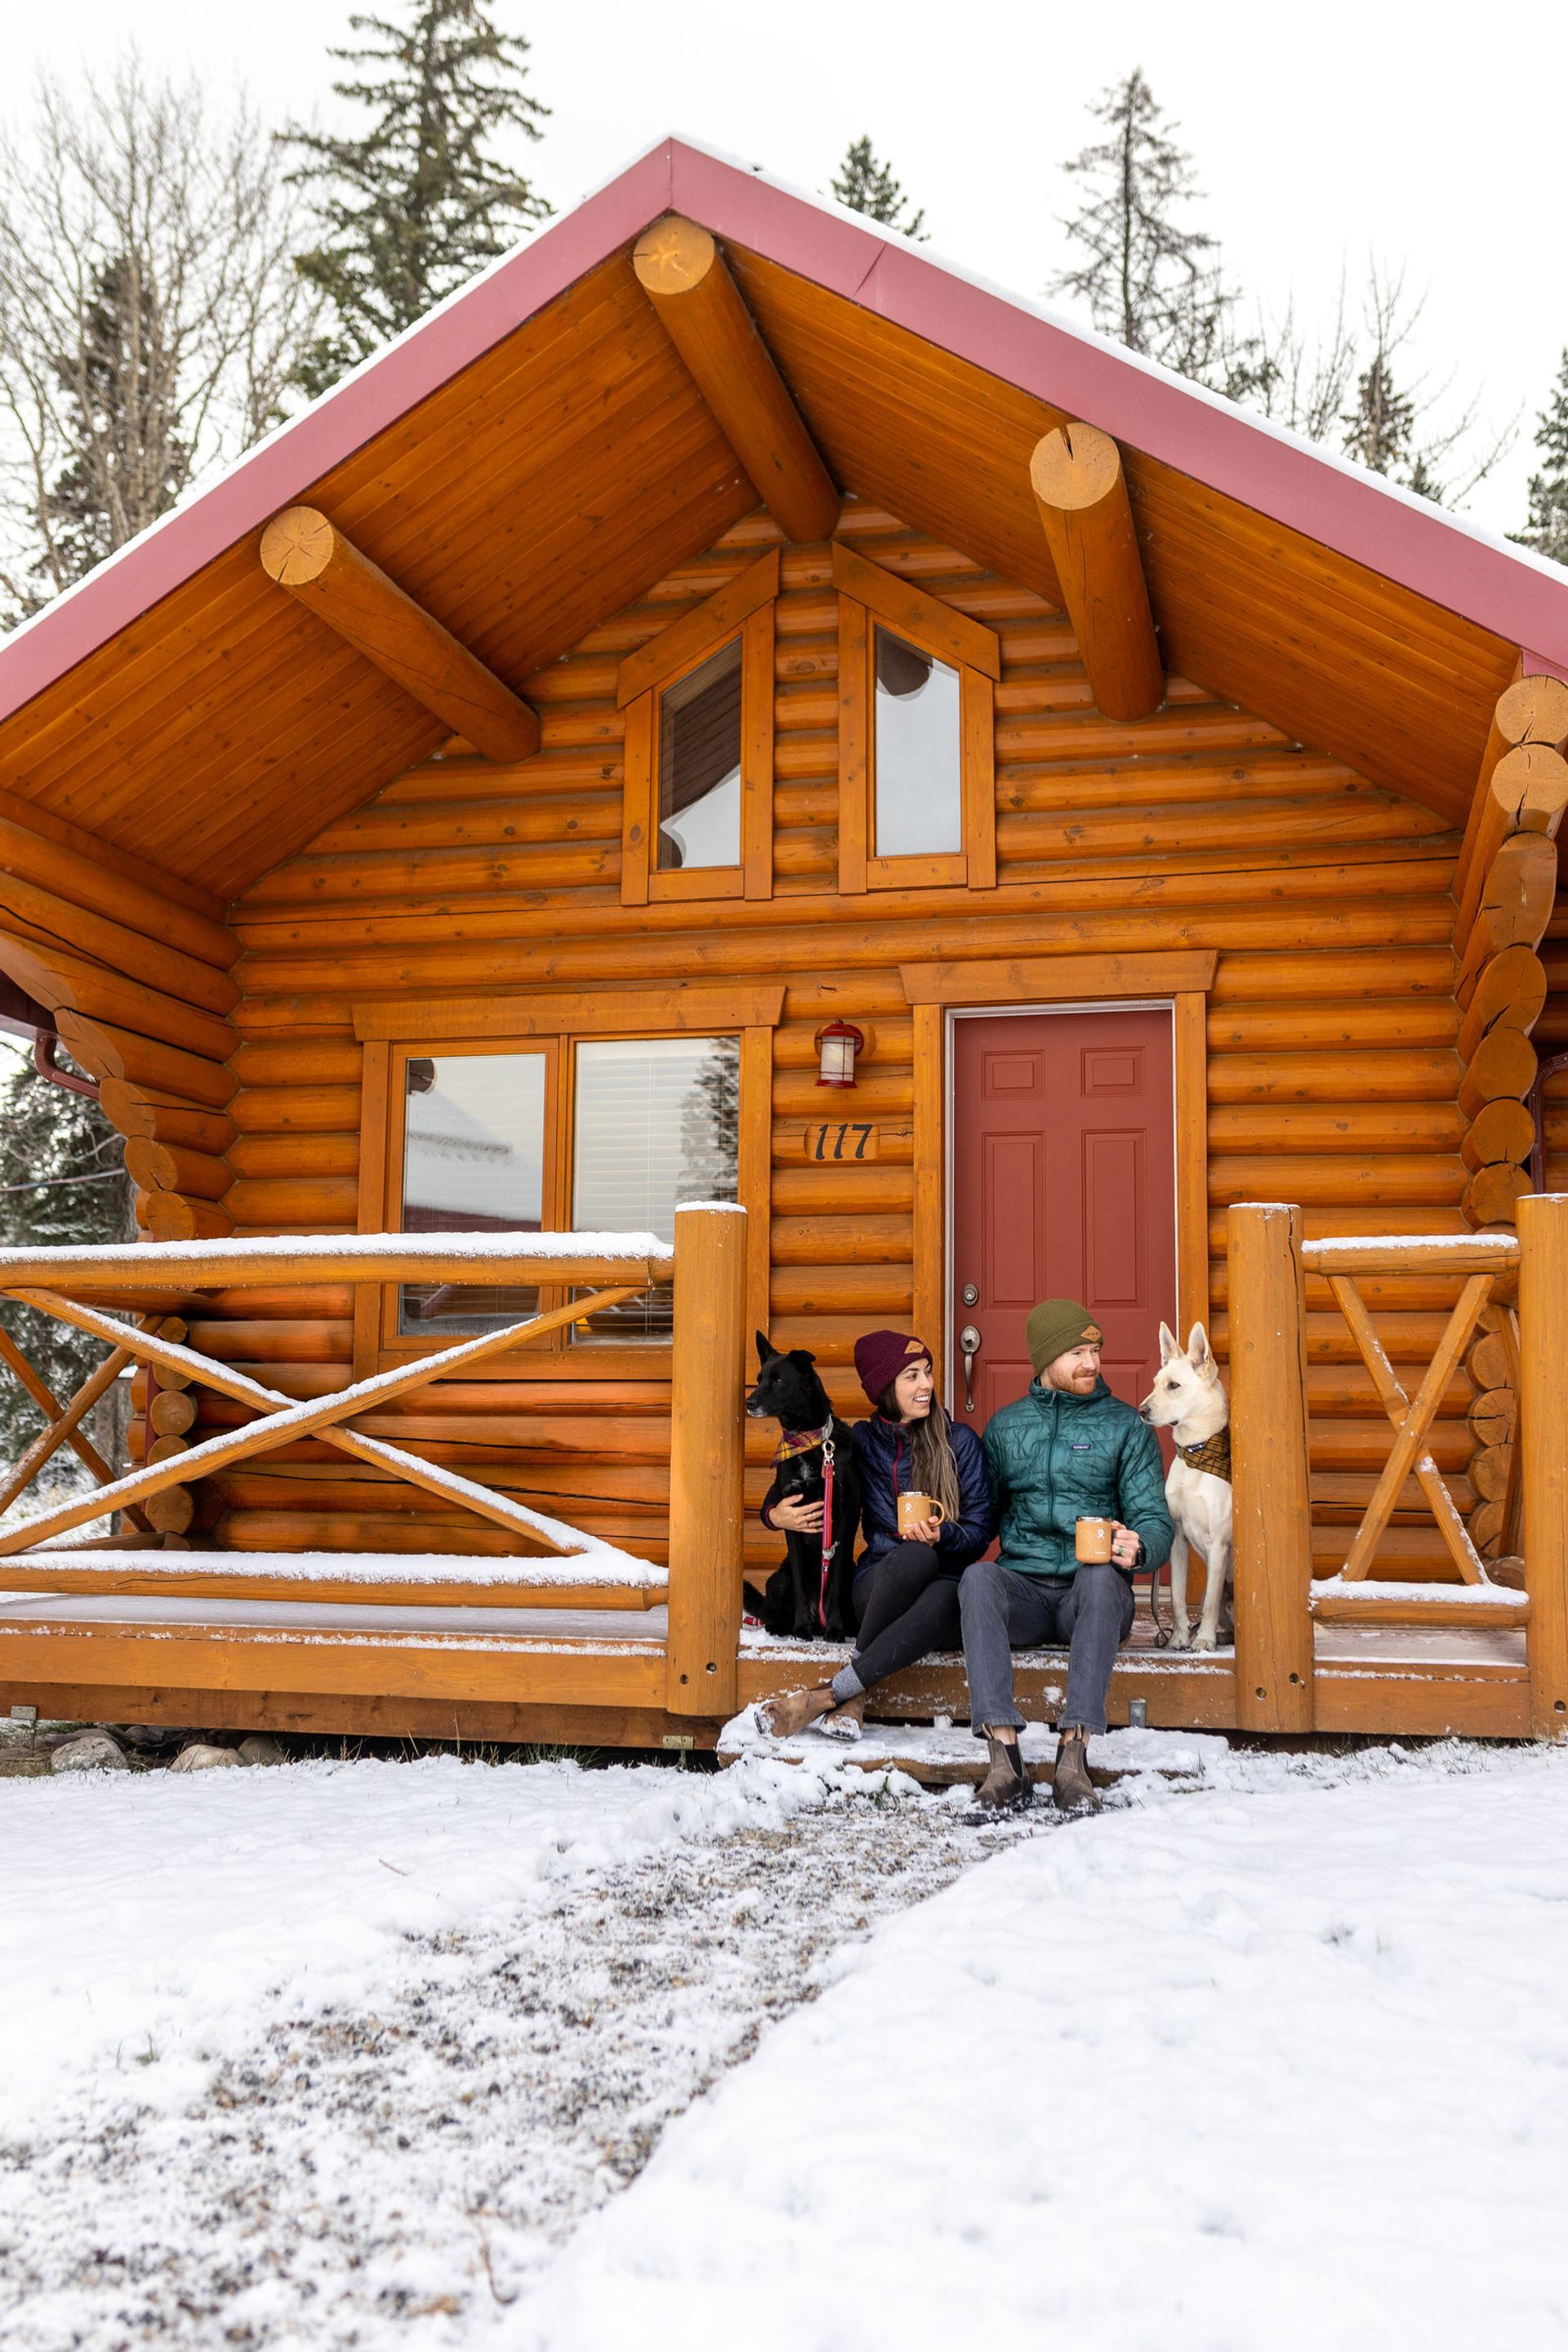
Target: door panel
x,y
1064,1186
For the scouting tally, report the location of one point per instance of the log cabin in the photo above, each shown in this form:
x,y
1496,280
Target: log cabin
x,y
729,709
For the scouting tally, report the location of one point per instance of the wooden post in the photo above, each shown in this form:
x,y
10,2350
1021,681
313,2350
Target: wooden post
x,y
1271,1495
705,1461
1543,1385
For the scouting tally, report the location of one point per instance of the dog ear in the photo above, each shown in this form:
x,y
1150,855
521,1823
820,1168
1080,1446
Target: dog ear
x,y
765,1347
1168,1347
1199,1353
803,1357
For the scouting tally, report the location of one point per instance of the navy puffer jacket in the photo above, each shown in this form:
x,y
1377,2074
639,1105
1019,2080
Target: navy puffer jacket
x,y
882,1458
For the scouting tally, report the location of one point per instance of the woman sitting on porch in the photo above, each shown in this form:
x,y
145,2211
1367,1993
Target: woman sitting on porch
x,y
906,1580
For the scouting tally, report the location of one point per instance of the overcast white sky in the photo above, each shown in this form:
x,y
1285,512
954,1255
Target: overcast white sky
x,y
1427,134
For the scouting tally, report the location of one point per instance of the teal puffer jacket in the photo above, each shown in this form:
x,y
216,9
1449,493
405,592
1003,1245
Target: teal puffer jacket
x,y
1054,1458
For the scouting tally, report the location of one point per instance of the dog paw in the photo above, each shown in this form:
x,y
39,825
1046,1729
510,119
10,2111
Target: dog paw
x,y
1204,1640
1182,1637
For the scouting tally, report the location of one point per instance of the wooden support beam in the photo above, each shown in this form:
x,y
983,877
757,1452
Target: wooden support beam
x,y
685,277
309,557
1081,493
1534,710
1528,793
1543,1384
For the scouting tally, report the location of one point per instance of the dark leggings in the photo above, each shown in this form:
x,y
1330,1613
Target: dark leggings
x,y
910,1609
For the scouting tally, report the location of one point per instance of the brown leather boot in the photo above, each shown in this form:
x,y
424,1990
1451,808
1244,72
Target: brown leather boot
x,y
1070,1784
783,1717
845,1722
1006,1784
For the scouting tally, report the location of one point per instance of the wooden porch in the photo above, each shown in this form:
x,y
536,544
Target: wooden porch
x,y
566,1637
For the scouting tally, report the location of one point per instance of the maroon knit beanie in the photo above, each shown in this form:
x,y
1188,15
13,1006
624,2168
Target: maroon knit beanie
x,y
881,1356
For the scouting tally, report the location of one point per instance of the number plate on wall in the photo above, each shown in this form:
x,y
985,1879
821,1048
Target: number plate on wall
x,y
853,1139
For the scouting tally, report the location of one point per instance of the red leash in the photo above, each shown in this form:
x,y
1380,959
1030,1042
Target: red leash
x,y
826,1529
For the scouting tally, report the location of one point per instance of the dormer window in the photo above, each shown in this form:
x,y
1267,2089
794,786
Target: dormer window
x,y
700,766
917,752
917,782
698,700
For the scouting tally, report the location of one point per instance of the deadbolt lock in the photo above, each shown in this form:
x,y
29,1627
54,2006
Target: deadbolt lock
x,y
970,1296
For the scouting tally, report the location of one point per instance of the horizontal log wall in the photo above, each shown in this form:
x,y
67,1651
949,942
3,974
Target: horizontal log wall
x,y
1331,1028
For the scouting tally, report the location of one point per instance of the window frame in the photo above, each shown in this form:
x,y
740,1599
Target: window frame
x,y
743,610
870,597
391,1035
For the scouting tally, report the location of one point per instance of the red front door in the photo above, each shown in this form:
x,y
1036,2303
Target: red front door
x,y
1064,1187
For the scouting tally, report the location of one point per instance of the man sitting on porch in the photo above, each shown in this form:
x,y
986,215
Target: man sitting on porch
x,y
1067,1450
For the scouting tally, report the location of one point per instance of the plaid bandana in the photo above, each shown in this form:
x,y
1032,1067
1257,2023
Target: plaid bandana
x,y
801,1441
1210,1453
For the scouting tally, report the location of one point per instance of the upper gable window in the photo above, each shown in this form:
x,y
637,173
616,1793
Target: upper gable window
x,y
700,766
698,803
916,739
917,783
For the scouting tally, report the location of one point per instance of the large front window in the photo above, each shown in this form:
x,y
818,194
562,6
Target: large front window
x,y
473,1162
657,1123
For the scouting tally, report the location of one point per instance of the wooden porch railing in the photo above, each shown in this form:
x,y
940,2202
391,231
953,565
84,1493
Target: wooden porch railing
x,y
95,1290
1277,1602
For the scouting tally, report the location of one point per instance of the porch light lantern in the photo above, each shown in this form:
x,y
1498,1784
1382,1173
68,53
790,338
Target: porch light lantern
x,y
837,1043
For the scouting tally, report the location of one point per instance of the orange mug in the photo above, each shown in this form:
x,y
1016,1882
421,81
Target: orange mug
x,y
1093,1539
914,1510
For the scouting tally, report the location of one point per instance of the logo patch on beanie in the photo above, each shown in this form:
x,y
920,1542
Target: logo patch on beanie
x,y
1093,1335
915,1348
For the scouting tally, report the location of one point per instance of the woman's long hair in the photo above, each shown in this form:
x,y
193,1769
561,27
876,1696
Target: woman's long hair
x,y
933,1468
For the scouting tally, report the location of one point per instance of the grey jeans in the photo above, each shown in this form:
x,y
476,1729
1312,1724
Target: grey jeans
x,y
1003,1610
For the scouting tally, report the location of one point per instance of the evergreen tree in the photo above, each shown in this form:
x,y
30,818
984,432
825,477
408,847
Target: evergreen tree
x,y
421,202
1379,427
868,186
62,1180
1148,275
1547,528
128,461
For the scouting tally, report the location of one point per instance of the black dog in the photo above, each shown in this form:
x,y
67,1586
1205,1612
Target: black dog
x,y
809,1596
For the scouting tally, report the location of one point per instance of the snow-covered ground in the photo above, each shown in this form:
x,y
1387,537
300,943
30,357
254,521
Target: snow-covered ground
x,y
368,2053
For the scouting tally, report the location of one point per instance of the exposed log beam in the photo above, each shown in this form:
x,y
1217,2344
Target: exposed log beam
x,y
1519,788
1081,493
684,276
309,557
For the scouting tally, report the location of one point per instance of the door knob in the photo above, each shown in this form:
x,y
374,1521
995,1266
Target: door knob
x,y
968,1343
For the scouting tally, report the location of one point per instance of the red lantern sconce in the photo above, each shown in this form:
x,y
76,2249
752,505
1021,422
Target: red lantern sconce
x,y
837,1044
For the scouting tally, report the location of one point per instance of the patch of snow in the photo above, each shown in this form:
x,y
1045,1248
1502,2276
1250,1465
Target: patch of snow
x,y
363,1567
1286,2065
150,1913
1475,1596
139,1258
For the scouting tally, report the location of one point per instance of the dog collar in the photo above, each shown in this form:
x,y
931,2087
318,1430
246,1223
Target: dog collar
x,y
1210,1453
801,1441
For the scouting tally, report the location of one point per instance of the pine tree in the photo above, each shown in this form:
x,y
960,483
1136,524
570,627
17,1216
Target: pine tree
x,y
130,461
868,186
1148,276
1379,427
62,1180
1547,528
421,202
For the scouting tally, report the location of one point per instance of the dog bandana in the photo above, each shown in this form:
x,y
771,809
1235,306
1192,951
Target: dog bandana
x,y
801,1441
1210,1453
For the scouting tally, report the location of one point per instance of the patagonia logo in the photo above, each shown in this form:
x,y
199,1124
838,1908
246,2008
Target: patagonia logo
x,y
1079,1445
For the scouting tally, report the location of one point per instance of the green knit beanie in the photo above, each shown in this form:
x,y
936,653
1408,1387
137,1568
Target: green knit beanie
x,y
1054,1326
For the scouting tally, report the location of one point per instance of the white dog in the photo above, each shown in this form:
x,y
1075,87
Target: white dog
x,y
1187,1400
